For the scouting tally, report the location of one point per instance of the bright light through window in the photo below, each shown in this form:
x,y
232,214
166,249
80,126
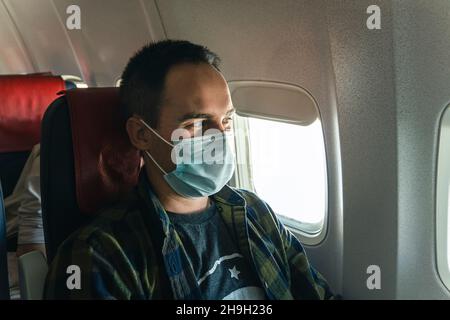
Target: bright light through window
x,y
288,169
448,230
443,201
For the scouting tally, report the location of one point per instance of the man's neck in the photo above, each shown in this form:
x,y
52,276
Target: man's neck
x,y
170,200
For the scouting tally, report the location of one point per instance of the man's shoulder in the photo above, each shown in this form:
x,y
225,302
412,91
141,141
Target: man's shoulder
x,y
112,225
118,236
252,200
258,211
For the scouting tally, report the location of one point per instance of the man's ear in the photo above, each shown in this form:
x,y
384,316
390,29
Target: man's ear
x,y
138,134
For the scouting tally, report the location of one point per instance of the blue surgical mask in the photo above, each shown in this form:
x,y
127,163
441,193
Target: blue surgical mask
x,y
204,164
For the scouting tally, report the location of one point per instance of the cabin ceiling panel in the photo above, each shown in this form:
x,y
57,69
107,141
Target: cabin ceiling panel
x,y
13,55
286,41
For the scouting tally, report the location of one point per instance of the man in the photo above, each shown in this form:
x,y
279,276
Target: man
x,y
184,234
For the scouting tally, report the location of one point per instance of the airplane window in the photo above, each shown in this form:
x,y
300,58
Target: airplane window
x,y
443,201
287,168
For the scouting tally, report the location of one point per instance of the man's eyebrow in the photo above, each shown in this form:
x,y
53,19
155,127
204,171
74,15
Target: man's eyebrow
x,y
231,111
194,115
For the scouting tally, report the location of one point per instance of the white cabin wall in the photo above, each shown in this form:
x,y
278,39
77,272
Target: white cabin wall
x,y
363,64
422,60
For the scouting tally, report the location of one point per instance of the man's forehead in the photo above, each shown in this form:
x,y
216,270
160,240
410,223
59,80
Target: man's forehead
x,y
194,78
193,92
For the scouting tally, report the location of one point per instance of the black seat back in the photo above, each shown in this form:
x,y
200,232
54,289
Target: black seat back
x,y
87,161
58,178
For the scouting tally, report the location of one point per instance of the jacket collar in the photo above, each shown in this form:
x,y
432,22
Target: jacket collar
x,y
227,196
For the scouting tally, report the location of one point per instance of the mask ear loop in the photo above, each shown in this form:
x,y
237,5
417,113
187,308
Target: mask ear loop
x,y
159,136
154,161
156,133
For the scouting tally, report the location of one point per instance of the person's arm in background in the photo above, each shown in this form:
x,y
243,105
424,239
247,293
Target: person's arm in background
x,y
30,229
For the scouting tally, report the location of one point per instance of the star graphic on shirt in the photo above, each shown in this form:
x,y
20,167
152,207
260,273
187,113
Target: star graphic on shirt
x,y
234,272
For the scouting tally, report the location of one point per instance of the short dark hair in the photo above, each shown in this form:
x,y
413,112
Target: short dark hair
x,y
143,79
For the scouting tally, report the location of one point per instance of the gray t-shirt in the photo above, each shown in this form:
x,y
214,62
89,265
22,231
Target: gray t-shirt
x,y
221,271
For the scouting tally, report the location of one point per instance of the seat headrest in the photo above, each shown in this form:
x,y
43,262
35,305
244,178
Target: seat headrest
x,y
24,99
106,163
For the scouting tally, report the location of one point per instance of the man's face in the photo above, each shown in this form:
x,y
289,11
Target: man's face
x,y
194,95
196,98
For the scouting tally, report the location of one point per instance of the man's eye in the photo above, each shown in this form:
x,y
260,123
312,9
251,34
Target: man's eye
x,y
195,125
228,123
200,123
